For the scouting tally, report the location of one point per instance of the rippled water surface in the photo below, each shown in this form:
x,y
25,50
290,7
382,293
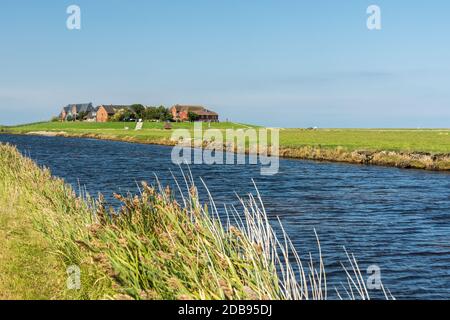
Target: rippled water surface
x,y
396,219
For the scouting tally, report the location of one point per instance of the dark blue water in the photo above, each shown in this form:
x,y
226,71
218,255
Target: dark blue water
x,y
396,219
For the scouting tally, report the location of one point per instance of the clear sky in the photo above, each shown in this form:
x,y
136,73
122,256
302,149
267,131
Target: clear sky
x,y
276,63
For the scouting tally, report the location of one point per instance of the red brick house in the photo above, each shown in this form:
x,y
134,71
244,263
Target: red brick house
x,y
104,112
181,113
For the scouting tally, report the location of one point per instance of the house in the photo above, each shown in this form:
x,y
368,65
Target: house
x,y
181,113
64,113
91,116
74,111
104,112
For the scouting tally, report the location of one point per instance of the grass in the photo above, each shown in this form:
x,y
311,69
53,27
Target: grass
x,y
32,267
152,247
404,148
115,126
152,132
402,140
27,271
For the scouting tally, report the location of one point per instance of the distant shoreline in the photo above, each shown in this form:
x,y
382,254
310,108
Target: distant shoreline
x,y
398,159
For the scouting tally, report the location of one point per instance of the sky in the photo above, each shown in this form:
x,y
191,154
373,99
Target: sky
x,y
269,62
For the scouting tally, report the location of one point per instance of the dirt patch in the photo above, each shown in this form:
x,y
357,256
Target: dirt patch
x,y
47,133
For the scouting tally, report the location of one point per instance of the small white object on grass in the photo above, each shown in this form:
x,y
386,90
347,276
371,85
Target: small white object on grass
x,y
139,126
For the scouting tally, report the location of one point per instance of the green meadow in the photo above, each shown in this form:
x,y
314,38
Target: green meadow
x,y
119,126
152,132
401,140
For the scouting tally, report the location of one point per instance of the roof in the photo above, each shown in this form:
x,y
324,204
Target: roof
x,y
81,107
200,110
205,113
184,108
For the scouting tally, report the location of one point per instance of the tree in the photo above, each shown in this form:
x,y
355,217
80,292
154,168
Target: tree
x,y
123,115
164,114
151,113
139,110
157,113
81,115
193,116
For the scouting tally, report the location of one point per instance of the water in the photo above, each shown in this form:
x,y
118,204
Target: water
x,y
396,219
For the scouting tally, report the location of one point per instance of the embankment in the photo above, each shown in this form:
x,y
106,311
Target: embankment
x,y
399,159
405,160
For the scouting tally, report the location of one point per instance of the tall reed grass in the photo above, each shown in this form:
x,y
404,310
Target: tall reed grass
x,y
160,246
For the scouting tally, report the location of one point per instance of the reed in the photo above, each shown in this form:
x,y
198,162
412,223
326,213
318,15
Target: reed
x,y
166,244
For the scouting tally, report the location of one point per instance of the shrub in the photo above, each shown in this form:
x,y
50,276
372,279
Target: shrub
x,y
193,116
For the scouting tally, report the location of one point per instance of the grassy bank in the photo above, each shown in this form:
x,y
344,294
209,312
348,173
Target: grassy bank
x,y
404,148
39,219
152,247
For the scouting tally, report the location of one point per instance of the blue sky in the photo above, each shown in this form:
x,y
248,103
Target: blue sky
x,y
276,63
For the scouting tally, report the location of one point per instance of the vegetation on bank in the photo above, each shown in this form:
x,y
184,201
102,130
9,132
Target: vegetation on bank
x,y
405,148
116,127
152,132
152,247
36,209
400,140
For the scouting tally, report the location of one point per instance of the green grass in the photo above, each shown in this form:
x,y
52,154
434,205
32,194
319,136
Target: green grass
x,y
27,271
403,148
403,140
31,266
152,247
152,132
76,126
